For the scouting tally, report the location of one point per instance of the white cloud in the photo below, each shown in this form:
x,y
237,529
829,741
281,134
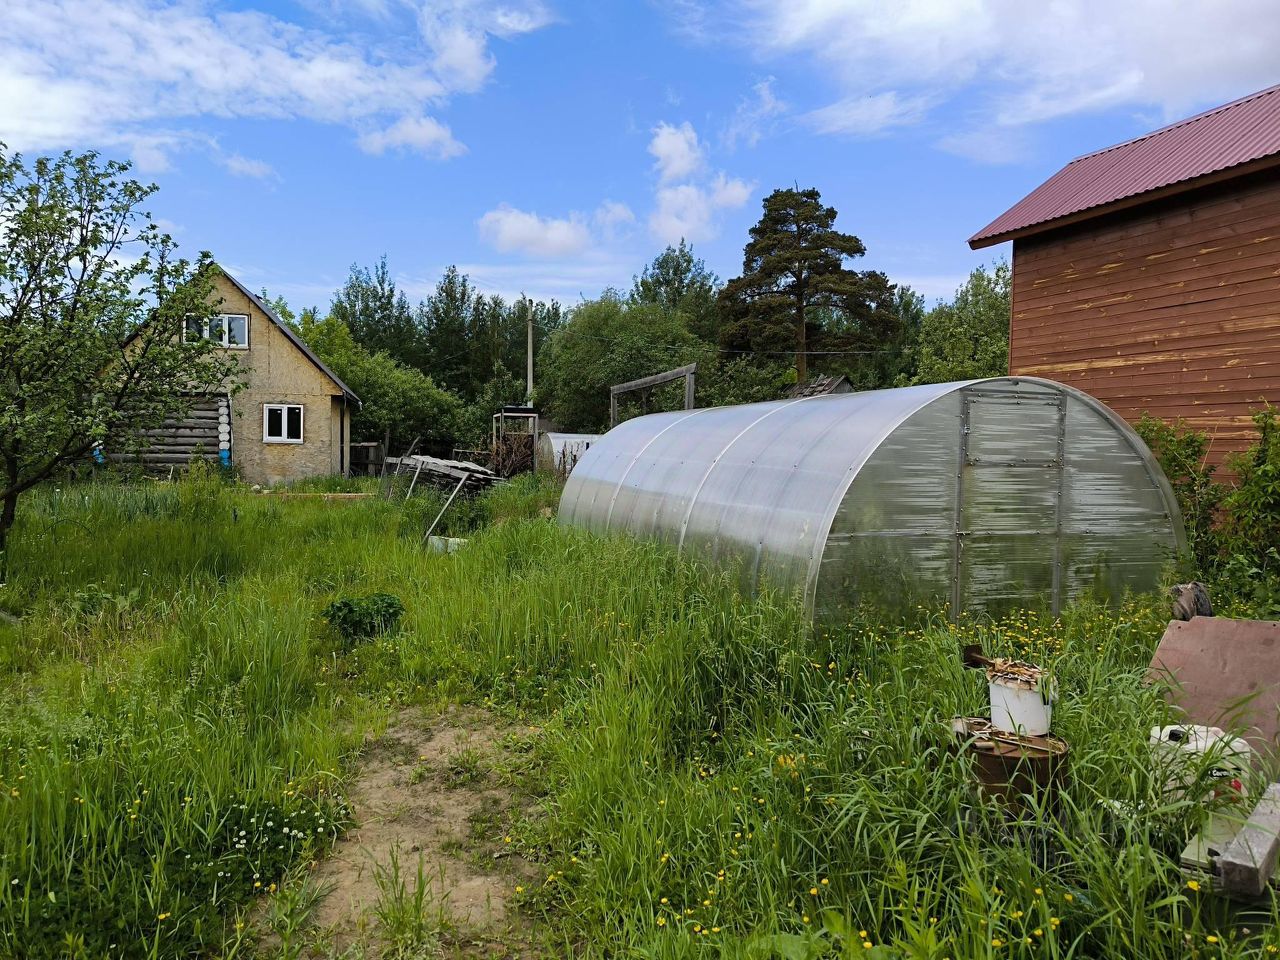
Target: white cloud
x,y
989,144
457,32
688,211
568,281
509,230
868,115
589,249
426,135
88,73
611,217
676,151
754,116
247,167
891,64
729,192
150,152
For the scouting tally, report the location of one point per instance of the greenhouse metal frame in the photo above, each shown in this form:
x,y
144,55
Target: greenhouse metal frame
x,y
1006,491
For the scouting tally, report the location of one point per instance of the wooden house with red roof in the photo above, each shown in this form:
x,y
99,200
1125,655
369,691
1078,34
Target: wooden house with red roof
x,y
1148,274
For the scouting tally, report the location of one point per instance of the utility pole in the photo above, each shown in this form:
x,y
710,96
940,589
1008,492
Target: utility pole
x,y
528,374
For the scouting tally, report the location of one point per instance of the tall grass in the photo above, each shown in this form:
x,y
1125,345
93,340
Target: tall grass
x,y
717,777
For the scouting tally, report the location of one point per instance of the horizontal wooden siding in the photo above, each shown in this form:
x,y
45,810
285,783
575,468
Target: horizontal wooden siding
x,y
1172,309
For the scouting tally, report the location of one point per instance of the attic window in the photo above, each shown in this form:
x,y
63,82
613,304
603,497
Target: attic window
x,y
230,330
282,423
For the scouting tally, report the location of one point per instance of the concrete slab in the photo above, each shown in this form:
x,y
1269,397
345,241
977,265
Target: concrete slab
x,y
1248,862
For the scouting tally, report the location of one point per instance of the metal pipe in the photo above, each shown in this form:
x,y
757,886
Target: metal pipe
x,y
413,481
427,536
528,390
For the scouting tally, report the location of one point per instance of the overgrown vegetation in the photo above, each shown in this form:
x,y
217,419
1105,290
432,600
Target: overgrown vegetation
x,y
1233,528
177,723
363,618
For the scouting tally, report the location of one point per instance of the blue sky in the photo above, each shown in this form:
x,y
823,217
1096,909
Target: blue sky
x,y
554,147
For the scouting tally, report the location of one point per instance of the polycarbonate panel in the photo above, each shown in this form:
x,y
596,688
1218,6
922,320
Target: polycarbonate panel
x,y
985,494
1012,427
751,486
893,536
1120,524
1001,571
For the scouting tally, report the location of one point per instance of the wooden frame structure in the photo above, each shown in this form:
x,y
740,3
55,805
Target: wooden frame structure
x,y
688,373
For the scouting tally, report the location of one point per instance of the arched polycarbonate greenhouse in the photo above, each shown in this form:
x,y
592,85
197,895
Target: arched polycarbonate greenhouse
x,y
983,494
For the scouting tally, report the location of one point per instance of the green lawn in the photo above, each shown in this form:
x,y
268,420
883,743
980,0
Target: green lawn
x,y
179,726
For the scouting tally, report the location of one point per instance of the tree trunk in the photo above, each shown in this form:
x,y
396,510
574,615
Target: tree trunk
x,y
802,358
8,512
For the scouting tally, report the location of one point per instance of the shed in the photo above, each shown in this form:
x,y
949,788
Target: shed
x,y
558,452
983,494
1145,273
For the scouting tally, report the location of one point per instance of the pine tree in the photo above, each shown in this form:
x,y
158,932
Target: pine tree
x,y
792,269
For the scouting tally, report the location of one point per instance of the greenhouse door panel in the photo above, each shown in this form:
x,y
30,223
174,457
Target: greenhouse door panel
x,y
1009,496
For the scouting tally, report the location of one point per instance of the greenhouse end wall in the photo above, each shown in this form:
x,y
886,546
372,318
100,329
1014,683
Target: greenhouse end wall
x,y
981,495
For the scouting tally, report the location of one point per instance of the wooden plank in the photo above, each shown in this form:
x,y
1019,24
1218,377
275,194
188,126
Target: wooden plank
x,y
1205,384
1142,245
1201,212
1064,332
1069,261
165,458
656,380
1171,308
1194,285
1235,372
1109,306
1146,239
1163,251
1170,356
1125,338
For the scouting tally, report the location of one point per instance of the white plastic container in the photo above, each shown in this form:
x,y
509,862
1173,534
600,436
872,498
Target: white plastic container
x,y
1021,698
445,544
1182,749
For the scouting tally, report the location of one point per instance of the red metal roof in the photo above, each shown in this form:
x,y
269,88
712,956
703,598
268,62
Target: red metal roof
x,y
1239,132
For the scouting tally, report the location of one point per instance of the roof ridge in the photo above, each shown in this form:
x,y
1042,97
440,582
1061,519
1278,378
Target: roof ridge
x,y
1242,135
1185,121
290,334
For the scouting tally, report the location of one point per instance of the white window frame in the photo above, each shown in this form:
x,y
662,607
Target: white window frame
x,y
284,422
226,330
225,340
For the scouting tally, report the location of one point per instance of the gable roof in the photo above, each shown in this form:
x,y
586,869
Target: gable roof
x,y
289,332
1224,142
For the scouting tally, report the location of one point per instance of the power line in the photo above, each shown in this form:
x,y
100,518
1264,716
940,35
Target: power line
x,y
763,353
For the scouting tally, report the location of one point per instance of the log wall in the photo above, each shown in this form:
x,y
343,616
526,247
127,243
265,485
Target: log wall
x,y
1171,309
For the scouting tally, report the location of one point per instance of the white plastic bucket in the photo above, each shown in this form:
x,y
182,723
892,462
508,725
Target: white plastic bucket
x,y
1019,706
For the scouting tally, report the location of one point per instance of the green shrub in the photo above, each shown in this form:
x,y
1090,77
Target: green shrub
x,y
361,618
1183,453
1251,510
1233,530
